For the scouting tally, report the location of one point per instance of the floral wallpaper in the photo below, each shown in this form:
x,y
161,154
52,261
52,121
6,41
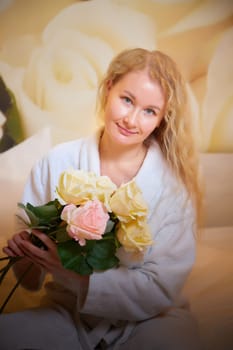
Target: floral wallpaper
x,y
53,54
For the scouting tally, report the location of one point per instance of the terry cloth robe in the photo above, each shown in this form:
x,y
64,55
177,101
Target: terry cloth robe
x,y
120,299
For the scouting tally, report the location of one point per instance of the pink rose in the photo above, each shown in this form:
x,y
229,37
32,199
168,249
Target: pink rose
x,y
87,221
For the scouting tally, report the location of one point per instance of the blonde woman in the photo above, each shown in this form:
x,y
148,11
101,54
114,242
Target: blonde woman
x,y
147,135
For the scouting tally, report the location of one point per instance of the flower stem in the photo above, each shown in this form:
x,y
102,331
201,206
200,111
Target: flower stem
x,y
15,286
6,268
5,258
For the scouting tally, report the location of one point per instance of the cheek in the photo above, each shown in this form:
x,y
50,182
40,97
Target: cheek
x,y
149,125
115,110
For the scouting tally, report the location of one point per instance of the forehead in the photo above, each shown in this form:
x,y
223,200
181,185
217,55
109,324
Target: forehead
x,y
141,86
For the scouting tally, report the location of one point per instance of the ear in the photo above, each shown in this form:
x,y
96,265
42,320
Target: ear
x,y
109,85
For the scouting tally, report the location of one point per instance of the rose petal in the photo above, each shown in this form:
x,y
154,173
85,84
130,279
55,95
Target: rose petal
x,y
206,14
217,104
165,13
108,20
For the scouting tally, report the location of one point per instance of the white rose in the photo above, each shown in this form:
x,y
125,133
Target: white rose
x,y
58,86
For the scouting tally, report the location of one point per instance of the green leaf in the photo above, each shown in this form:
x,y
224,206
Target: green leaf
x,y
45,212
82,267
112,236
73,257
89,246
5,99
34,221
95,255
102,256
60,234
13,128
44,215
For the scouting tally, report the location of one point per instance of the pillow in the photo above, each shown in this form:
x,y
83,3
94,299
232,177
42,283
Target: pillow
x,y
15,167
16,164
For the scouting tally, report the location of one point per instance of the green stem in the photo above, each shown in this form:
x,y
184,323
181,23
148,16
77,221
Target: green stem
x,y
15,287
7,267
5,258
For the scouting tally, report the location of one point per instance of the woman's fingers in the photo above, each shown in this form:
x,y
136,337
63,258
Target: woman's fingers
x,y
31,250
33,253
13,244
9,252
49,258
25,235
45,239
21,245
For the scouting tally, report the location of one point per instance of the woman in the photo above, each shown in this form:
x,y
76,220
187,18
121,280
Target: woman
x,y
147,135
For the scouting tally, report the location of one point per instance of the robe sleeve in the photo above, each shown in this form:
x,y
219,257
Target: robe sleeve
x,y
36,190
140,292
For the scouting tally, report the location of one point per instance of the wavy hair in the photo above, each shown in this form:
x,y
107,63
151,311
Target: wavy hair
x,y
175,134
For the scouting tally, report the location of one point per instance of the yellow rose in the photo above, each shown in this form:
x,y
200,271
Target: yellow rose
x,y
127,202
134,236
78,187
73,186
105,188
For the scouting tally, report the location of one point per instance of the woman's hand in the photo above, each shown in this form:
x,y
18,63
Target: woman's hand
x,y
13,249
20,245
47,259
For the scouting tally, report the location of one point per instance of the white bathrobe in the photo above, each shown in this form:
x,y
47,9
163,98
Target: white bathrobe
x,y
121,299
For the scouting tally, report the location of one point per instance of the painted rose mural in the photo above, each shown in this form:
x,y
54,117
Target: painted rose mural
x,y
54,71
53,54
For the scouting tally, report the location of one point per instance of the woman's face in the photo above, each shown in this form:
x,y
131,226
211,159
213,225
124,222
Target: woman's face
x,y
134,108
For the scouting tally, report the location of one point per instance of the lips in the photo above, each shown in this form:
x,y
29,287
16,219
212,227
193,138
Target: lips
x,y
126,131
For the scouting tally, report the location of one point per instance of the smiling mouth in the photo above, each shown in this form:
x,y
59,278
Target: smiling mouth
x,y
126,131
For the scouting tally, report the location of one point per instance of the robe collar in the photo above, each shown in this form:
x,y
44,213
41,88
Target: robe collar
x,y
149,177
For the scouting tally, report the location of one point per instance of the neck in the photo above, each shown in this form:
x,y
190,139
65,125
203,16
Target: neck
x,y
120,163
116,152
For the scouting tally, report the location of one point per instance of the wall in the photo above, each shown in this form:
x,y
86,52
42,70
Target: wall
x,y
53,54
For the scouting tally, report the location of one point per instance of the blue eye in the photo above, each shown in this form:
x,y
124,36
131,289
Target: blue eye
x,y
150,111
126,99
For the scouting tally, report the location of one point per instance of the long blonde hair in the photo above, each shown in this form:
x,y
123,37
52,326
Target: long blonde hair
x,y
175,133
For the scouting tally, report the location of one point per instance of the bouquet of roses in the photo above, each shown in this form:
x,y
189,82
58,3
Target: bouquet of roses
x,y
89,220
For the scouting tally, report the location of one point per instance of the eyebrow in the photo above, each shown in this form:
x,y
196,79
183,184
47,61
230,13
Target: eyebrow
x,y
133,97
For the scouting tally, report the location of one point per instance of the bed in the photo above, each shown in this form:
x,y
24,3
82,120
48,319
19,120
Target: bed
x,y
209,287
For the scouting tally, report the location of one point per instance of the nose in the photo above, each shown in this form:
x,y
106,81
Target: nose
x,y
131,117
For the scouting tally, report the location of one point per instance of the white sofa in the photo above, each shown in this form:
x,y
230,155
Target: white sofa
x,y
210,284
